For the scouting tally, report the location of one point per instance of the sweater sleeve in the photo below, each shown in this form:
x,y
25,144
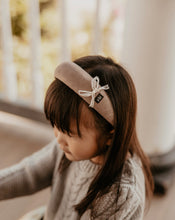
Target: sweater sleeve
x,y
30,175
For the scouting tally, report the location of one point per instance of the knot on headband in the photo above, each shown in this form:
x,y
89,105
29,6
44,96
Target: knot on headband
x,y
95,89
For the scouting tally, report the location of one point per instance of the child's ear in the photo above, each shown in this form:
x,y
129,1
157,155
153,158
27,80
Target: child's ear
x,y
110,137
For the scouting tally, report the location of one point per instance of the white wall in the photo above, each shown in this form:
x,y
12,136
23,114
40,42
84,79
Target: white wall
x,y
149,55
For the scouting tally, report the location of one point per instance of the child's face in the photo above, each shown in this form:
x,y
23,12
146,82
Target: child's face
x,y
79,148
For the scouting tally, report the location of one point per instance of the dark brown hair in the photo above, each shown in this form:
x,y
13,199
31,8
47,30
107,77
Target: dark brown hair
x,y
122,94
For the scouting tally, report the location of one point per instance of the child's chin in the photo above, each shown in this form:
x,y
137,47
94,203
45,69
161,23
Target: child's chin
x,y
69,156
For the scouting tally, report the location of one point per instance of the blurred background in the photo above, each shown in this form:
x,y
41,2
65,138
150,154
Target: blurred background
x,y
51,31
36,35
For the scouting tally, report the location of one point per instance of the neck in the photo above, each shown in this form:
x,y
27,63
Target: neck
x,y
98,159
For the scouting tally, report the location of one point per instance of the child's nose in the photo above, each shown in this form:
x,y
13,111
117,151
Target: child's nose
x,y
61,138
55,130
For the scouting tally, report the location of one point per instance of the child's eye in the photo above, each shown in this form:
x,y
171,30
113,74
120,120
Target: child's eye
x,y
72,134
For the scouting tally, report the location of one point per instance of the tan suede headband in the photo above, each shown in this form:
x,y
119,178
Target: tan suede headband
x,y
87,88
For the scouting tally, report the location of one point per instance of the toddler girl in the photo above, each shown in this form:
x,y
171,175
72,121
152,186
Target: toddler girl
x,y
95,165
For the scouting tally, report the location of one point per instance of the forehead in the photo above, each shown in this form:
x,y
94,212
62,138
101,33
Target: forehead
x,y
86,116
86,119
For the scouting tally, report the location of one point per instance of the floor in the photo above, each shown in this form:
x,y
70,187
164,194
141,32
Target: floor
x,y
20,137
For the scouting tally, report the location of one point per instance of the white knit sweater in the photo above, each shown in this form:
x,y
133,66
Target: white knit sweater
x,y
40,170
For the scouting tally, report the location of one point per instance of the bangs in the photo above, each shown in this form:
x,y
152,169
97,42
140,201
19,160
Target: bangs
x,y
62,107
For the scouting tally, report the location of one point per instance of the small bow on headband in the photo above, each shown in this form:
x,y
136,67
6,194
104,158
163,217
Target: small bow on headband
x,y
95,89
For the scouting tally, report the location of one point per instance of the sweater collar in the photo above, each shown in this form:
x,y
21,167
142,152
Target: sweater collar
x,y
87,166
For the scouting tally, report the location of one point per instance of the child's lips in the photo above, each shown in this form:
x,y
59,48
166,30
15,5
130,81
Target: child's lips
x,y
65,149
